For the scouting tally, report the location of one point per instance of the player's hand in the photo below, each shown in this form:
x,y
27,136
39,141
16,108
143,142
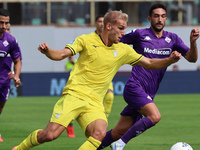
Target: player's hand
x,y
44,48
15,78
17,82
194,35
175,56
10,75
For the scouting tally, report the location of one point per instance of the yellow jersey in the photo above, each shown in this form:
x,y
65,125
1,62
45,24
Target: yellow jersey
x,y
96,66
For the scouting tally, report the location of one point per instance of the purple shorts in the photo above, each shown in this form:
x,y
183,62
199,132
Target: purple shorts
x,y
4,92
136,97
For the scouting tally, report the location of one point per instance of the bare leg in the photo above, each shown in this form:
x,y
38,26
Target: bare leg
x,y
51,132
96,131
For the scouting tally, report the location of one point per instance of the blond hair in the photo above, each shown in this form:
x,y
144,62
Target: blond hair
x,y
114,16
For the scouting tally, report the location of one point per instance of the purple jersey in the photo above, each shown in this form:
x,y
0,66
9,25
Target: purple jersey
x,y
8,46
145,42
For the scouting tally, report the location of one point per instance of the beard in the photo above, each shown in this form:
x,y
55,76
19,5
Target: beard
x,y
157,29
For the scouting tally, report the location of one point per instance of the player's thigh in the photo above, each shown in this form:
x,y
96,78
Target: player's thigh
x,y
4,92
68,108
90,116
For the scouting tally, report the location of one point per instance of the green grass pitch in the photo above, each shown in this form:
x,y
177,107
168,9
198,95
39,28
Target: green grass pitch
x,y
180,122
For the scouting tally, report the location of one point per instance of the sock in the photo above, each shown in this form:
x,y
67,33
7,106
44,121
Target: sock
x,y
139,127
90,144
121,142
108,139
29,142
108,101
71,124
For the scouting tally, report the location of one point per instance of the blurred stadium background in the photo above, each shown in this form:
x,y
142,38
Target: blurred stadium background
x,y
59,22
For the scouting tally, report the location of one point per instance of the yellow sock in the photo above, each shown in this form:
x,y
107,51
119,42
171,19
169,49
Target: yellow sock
x,y
90,144
29,142
108,101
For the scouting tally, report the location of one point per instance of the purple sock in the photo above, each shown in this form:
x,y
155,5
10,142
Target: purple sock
x,y
108,139
139,127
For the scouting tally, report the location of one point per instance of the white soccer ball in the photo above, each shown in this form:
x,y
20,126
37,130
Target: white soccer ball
x,y
181,146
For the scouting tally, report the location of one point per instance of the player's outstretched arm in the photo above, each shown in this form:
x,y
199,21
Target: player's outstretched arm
x,y
192,54
156,64
54,54
17,70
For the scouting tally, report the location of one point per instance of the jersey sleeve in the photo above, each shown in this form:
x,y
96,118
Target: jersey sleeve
x,y
132,56
15,51
180,46
76,45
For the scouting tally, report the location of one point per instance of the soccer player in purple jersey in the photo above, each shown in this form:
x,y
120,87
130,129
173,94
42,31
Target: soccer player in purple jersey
x,y
142,86
8,46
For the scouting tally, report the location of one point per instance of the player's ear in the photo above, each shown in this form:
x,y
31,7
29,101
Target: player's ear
x,y
108,26
149,18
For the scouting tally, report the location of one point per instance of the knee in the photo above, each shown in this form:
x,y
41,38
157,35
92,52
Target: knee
x,y
155,118
99,134
50,137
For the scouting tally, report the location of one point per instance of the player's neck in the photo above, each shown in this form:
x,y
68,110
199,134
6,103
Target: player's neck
x,y
104,38
158,34
1,34
98,32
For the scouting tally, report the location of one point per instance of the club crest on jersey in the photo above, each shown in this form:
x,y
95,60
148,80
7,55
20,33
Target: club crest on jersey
x,y
115,52
5,43
168,40
58,114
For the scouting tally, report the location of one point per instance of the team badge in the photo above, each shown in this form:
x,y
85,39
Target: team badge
x,y
115,52
5,43
168,40
58,114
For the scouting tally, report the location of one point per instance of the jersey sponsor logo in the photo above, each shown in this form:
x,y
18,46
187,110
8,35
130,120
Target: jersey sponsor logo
x,y
115,52
167,39
5,43
3,53
161,51
147,38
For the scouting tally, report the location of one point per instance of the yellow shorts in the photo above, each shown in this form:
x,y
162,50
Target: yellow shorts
x,y
111,86
69,108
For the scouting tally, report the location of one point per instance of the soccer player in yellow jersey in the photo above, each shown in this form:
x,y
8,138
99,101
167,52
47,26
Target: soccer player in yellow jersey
x,y
108,99
100,57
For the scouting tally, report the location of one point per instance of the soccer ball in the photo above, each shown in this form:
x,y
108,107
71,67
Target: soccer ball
x,y
181,146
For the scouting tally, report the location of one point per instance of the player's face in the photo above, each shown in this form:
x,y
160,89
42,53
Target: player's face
x,y
117,31
99,25
158,19
4,21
